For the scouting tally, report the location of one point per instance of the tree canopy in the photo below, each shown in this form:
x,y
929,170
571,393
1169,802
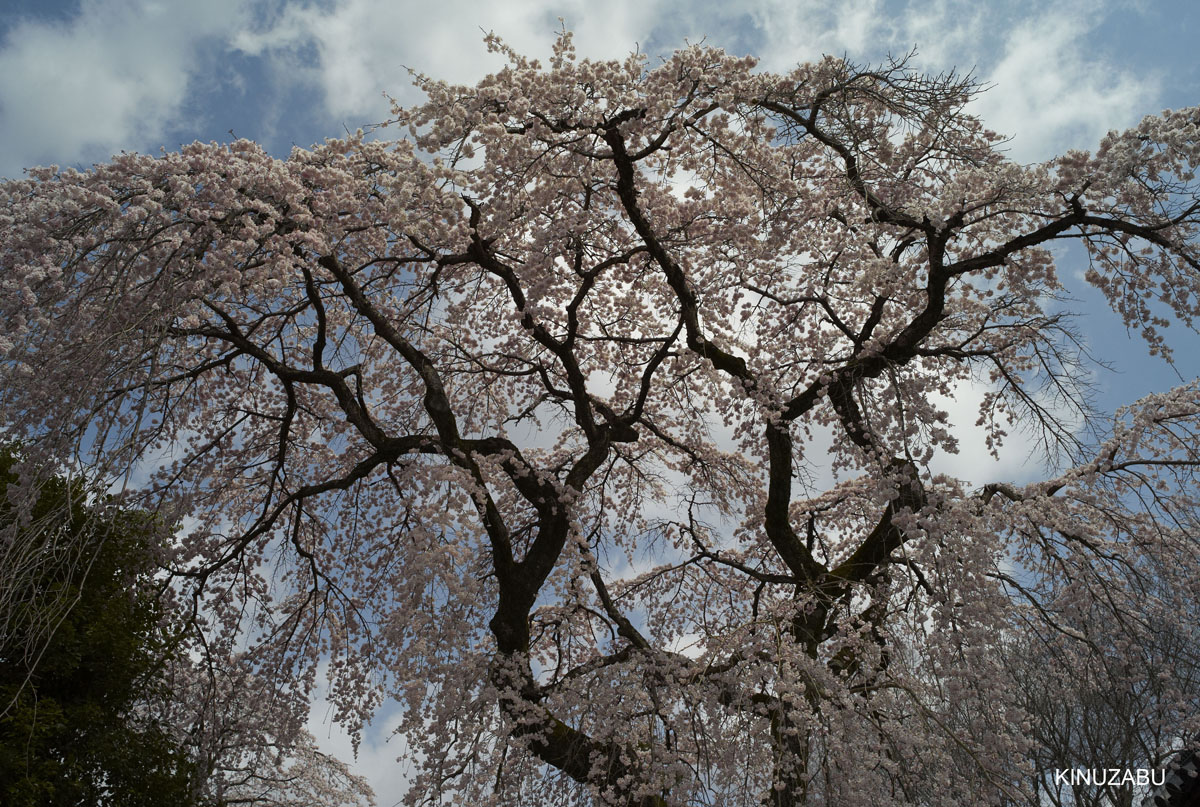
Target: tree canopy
x,y
105,698
70,732
592,419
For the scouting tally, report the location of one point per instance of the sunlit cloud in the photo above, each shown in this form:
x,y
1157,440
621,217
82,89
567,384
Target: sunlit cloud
x,y
114,77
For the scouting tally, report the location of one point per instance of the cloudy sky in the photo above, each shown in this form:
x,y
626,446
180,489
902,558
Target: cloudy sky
x,y
83,79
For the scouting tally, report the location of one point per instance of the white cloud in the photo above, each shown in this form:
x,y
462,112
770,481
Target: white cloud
x,y
119,73
364,47
112,78
1050,94
1050,90
1017,459
947,33
795,32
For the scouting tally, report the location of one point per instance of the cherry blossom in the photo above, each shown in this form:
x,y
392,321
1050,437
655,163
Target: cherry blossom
x,y
591,420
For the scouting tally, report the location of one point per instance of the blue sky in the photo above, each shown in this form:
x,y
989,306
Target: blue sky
x,y
82,80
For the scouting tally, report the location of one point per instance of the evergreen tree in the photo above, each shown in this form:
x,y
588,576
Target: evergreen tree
x,y
76,728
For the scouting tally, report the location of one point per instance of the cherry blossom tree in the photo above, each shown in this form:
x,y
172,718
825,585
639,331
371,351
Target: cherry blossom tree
x,y
592,421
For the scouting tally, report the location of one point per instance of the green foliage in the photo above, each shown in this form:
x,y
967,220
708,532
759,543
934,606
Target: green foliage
x,y
80,657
